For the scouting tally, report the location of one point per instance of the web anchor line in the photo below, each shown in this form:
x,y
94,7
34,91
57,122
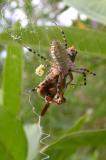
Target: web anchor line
x,y
44,136
42,141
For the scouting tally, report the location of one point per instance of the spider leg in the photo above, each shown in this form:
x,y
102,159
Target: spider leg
x,y
84,71
77,70
87,71
84,76
70,80
60,79
59,95
63,35
33,89
33,51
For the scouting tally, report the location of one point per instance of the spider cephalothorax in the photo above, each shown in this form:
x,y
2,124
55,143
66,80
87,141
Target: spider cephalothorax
x,y
72,52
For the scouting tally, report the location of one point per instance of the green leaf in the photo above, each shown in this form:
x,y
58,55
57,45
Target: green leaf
x,y
85,41
96,10
33,135
78,124
70,142
4,154
12,79
76,127
1,97
12,138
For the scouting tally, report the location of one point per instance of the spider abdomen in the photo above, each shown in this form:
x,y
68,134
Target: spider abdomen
x,y
59,55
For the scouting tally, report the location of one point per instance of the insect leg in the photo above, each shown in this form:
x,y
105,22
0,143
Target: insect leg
x,y
45,108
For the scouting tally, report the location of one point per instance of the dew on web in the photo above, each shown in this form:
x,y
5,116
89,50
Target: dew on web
x,y
9,19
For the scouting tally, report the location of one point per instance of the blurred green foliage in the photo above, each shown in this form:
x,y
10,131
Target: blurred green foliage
x,y
96,10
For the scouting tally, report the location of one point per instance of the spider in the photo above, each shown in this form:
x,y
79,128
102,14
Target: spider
x,y
52,87
63,65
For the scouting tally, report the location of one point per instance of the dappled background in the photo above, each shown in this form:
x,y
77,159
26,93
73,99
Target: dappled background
x,y
31,23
